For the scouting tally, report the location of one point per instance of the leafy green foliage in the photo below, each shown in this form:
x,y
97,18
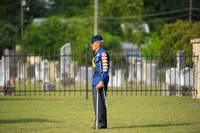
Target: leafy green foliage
x,y
174,35
35,9
78,25
8,36
55,32
152,46
10,19
69,8
116,8
10,14
10,10
177,36
157,23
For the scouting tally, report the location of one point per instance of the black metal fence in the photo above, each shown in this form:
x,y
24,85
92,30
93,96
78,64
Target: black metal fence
x,y
24,74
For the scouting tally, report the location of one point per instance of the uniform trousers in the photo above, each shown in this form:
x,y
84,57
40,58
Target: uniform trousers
x,y
102,112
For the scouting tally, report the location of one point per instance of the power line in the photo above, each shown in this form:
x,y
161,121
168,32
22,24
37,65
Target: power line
x,y
151,21
146,15
125,17
175,17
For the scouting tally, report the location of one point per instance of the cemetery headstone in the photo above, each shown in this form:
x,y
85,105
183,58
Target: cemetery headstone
x,y
1,74
186,77
180,60
171,76
20,76
131,73
6,67
45,71
118,79
150,72
139,72
65,60
38,73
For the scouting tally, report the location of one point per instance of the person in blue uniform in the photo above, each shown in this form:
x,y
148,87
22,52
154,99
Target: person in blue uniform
x,y
100,80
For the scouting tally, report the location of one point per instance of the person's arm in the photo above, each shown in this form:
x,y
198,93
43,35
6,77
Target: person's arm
x,y
104,68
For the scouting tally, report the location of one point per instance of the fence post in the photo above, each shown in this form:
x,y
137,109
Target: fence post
x,y
86,71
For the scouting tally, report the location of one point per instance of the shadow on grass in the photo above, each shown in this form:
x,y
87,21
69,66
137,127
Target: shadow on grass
x,y
26,121
155,125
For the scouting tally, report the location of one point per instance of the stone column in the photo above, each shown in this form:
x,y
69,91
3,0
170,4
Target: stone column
x,y
196,68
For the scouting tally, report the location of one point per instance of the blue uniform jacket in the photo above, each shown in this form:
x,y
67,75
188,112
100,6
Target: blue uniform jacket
x,y
101,57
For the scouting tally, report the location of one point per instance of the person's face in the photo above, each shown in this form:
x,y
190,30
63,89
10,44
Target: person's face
x,y
95,45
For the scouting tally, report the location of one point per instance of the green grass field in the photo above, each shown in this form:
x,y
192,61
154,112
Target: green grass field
x,y
61,114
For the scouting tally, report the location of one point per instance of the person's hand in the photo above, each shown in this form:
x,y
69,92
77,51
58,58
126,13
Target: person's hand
x,y
99,85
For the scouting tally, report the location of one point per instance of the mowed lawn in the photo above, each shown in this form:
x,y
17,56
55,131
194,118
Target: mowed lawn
x,y
61,114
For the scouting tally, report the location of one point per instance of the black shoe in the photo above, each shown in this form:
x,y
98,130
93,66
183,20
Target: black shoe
x,y
102,127
98,128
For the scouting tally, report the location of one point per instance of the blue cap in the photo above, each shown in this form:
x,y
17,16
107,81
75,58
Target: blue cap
x,y
96,38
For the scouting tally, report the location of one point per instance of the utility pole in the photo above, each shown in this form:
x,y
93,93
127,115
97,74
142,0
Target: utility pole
x,y
22,22
96,17
190,12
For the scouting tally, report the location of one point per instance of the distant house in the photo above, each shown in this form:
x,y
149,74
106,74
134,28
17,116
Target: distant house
x,y
144,26
132,52
38,21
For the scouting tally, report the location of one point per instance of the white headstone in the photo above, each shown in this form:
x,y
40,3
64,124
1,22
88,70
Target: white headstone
x,y
118,79
110,78
6,69
57,70
81,74
65,60
20,75
172,76
45,71
38,72
151,73
131,73
6,52
187,77
1,73
139,71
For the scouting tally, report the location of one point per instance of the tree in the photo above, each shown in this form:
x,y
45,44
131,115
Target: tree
x,y
177,36
152,46
10,19
35,9
156,23
119,9
10,10
56,31
8,36
68,8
